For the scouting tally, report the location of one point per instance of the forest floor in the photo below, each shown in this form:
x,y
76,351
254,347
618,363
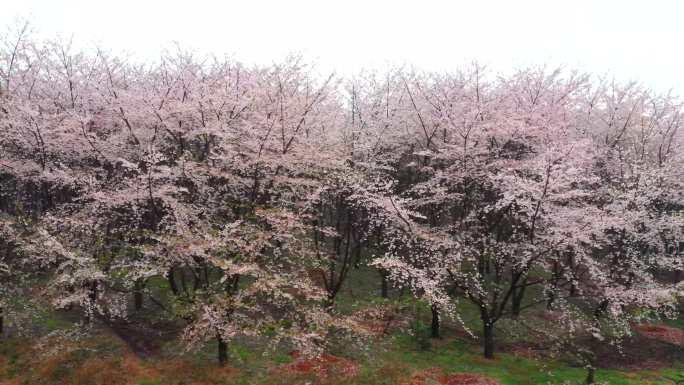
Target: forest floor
x,y
146,351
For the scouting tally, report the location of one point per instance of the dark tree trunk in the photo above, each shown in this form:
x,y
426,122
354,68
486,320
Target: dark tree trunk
x,y
515,307
488,331
138,300
70,305
591,371
384,288
196,280
330,301
589,357
488,338
184,283
516,301
171,276
2,321
138,295
435,321
92,295
222,351
550,298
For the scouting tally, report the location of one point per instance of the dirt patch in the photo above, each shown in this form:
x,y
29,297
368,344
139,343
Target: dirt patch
x,y
436,376
662,333
528,349
323,366
652,347
380,321
182,371
143,338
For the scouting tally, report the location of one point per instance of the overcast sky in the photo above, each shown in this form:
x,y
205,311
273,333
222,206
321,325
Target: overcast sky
x,y
629,39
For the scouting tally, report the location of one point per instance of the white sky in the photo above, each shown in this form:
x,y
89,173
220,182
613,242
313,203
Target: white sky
x,y
642,40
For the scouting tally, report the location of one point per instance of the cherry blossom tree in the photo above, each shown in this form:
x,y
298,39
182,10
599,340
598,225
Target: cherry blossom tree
x,y
506,184
252,192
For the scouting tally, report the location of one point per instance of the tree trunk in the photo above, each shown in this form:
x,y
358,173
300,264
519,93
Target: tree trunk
x,y
138,295
92,293
184,283
591,371
435,321
550,298
488,339
222,351
516,301
384,288
330,301
172,281
2,321
92,297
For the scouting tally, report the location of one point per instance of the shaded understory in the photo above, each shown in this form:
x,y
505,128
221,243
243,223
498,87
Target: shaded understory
x,y
147,351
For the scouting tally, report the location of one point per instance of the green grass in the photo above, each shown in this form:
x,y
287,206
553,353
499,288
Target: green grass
x,y
455,356
676,323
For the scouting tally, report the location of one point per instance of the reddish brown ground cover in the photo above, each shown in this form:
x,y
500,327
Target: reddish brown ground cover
x,y
662,333
435,375
323,366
